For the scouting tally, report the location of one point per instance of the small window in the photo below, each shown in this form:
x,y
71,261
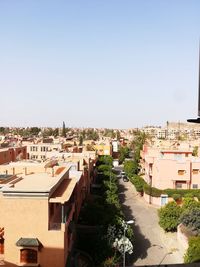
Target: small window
x,y
186,155
178,185
195,186
181,172
28,256
195,171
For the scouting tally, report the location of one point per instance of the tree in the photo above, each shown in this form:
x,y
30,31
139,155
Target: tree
x,y
80,140
56,132
130,167
63,130
195,151
2,130
34,131
169,216
123,153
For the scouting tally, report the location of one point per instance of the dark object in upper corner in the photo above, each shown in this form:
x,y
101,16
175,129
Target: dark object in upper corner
x,y
198,119
194,120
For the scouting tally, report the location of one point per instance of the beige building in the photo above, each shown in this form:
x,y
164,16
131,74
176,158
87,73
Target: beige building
x,y
38,207
39,151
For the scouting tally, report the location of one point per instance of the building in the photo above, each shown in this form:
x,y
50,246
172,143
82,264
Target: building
x,y
39,151
39,206
174,168
10,154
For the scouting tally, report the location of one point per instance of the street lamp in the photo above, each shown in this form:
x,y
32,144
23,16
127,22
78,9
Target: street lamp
x,y
125,226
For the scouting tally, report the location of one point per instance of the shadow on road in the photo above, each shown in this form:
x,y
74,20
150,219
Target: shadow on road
x,y
141,244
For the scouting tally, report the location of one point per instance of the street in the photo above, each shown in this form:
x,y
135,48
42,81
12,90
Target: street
x,y
151,245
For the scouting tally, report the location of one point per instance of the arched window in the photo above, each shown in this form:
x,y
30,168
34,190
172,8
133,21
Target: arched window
x,y
28,256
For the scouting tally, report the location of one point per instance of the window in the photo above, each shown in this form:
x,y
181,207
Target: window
x,y
1,245
177,156
181,172
28,256
195,171
178,185
195,186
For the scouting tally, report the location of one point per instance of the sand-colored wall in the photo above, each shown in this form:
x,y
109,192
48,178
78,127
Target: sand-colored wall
x,y
28,217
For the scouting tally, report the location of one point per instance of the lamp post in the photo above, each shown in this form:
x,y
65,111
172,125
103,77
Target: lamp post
x,y
125,226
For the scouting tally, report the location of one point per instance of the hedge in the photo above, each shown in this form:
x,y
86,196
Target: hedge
x,y
193,251
141,185
138,182
152,191
182,192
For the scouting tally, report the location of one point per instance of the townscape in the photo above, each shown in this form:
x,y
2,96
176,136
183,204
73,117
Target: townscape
x,y
67,193
99,142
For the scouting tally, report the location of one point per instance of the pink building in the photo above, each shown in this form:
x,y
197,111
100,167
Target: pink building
x,y
170,168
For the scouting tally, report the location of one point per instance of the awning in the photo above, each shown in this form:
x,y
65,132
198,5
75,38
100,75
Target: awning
x,y
28,242
63,193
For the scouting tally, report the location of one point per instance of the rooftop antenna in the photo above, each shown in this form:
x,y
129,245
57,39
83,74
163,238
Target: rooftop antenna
x,y
198,119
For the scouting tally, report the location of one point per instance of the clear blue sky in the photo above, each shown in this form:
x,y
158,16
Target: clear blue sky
x,y
98,63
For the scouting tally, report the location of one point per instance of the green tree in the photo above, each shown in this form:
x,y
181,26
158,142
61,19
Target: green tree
x,y
108,160
63,130
195,151
123,153
169,216
56,132
80,140
137,145
34,131
130,167
118,136
2,130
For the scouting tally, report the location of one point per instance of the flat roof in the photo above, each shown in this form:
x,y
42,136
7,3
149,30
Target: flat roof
x,y
64,191
37,181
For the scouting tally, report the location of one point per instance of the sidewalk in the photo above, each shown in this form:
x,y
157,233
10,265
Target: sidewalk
x,y
152,244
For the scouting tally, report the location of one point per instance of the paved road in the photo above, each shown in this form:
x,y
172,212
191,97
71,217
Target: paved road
x,y
152,245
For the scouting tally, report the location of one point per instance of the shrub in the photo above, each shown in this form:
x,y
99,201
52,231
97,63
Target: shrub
x,y
189,203
193,251
198,196
189,195
109,262
191,219
176,197
169,216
